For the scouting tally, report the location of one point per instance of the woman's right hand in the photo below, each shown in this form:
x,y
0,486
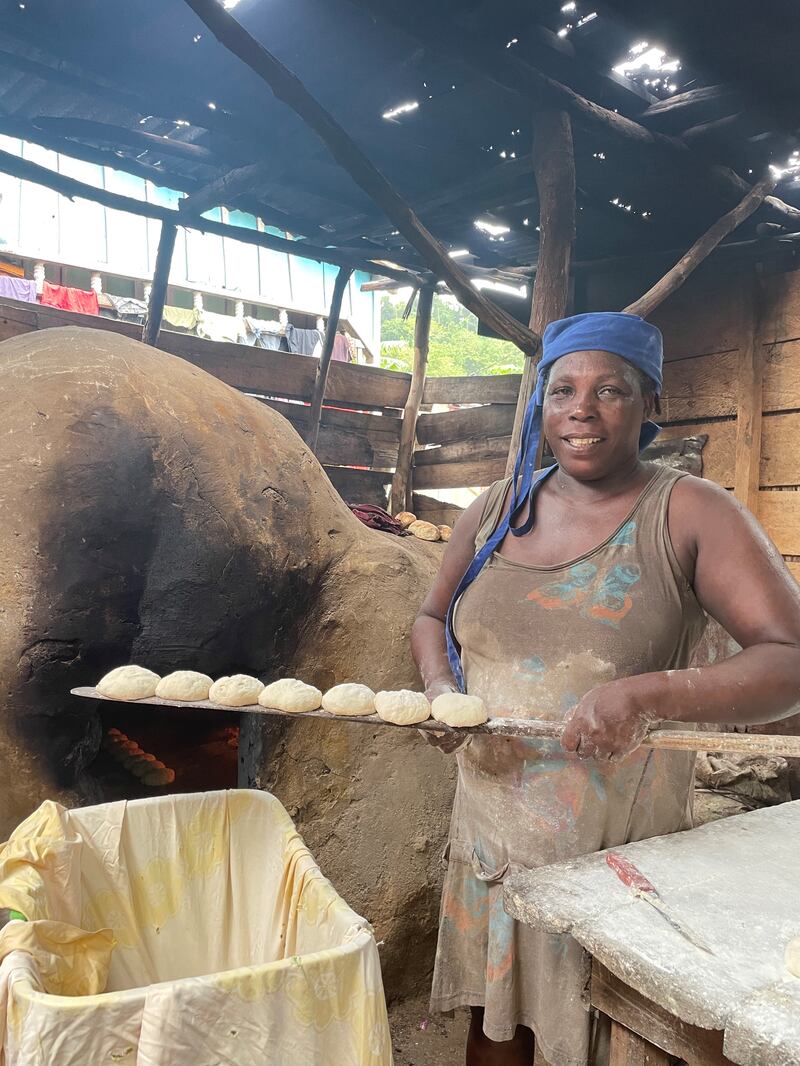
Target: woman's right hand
x,y
445,742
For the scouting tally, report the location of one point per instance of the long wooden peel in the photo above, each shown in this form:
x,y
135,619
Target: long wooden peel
x,y
673,739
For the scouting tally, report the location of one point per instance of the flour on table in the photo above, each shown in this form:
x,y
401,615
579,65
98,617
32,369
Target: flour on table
x,y
238,690
291,695
187,685
456,709
349,699
792,957
129,683
402,707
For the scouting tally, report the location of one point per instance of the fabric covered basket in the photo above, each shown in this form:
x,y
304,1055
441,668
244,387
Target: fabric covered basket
x,y
190,930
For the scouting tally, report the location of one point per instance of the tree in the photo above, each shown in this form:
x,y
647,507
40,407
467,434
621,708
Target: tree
x,y
456,349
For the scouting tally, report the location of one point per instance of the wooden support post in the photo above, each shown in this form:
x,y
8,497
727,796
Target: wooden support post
x,y
750,402
288,88
629,1049
402,487
701,248
554,170
321,378
158,293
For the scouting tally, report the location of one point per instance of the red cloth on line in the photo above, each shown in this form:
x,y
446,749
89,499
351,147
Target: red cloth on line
x,y
69,299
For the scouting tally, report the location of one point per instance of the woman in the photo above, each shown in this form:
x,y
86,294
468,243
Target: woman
x,y
579,596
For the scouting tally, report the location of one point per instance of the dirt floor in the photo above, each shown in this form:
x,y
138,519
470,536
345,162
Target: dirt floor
x,y
422,1039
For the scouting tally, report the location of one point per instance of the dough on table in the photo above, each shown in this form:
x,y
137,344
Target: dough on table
x,y
128,683
456,709
405,518
445,532
792,957
349,699
188,685
238,690
402,707
291,695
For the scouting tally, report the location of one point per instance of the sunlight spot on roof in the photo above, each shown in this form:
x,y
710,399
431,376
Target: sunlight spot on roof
x,y
499,286
401,109
642,57
492,229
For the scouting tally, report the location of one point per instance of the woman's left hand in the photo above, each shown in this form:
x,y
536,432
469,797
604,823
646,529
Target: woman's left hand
x,y
610,721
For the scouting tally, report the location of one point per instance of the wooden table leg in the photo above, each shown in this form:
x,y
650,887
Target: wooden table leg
x,y
630,1049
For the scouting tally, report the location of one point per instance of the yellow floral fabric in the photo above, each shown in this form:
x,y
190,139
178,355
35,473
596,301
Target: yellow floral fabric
x,y
181,931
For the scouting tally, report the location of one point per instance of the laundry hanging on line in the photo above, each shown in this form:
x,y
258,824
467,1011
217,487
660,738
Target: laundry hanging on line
x,y
66,298
123,306
180,319
214,327
263,332
17,289
303,341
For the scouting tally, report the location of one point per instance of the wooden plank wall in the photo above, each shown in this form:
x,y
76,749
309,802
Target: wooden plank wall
x,y
705,330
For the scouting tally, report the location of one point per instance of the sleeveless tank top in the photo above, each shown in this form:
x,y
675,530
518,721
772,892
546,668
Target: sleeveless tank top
x,y
534,640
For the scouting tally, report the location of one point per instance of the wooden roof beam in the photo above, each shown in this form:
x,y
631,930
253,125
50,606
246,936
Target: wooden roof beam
x,y
289,89
72,188
512,74
29,131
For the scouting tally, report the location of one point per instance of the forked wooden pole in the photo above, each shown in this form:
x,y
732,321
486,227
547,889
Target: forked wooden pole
x,y
554,170
324,365
158,293
402,487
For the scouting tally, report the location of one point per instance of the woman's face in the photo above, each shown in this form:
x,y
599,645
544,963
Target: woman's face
x,y
593,413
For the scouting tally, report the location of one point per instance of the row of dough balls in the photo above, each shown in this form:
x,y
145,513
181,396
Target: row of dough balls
x,y
150,770
292,696
423,530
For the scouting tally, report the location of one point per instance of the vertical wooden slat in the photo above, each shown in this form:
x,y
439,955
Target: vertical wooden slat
x,y
554,170
402,489
750,400
321,378
158,293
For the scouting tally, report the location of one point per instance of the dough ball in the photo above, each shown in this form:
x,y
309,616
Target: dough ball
x,y
291,695
128,683
456,709
239,690
186,685
792,957
405,518
424,530
350,699
403,707
445,532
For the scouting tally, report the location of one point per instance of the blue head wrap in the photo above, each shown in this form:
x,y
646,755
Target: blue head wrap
x,y
636,341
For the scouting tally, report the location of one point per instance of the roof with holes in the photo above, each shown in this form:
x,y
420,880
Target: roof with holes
x,y
147,83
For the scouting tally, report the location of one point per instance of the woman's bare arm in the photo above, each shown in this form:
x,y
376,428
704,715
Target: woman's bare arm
x,y
742,582
428,643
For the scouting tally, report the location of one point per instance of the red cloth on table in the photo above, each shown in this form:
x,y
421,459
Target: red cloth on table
x,y
69,299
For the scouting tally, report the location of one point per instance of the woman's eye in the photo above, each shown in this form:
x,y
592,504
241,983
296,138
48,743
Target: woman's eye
x,y
610,390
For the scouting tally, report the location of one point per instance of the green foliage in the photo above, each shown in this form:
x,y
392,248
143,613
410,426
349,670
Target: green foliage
x,y
455,349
